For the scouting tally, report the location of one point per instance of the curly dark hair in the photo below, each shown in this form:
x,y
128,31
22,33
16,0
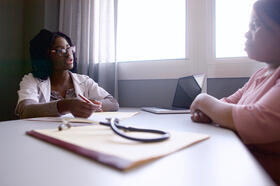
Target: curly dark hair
x,y
39,53
270,8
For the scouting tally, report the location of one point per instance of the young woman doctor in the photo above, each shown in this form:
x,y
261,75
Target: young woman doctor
x,y
52,88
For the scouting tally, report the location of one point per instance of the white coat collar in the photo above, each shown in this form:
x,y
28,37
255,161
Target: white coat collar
x,y
78,81
45,88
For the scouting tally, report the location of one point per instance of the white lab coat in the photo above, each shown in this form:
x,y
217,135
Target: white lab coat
x,y
40,90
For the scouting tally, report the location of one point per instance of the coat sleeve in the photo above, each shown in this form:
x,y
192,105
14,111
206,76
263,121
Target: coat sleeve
x,y
28,100
93,91
30,109
28,89
109,103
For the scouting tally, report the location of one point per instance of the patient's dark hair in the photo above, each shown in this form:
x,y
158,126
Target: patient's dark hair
x,y
270,8
39,53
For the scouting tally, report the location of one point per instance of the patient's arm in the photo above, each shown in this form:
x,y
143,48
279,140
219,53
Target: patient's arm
x,y
219,111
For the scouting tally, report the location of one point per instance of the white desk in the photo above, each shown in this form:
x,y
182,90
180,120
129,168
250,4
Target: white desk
x,y
221,160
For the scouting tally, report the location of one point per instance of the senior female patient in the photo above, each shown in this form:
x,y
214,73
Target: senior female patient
x,y
53,86
254,110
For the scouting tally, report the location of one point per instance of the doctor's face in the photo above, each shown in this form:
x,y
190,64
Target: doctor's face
x,y
262,43
61,54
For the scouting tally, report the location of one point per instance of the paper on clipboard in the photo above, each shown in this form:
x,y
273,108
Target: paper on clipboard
x,y
95,117
99,143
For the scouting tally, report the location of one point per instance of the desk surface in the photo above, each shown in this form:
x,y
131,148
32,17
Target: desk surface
x,y
221,160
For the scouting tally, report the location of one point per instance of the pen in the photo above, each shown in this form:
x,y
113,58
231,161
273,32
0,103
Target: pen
x,y
84,98
88,101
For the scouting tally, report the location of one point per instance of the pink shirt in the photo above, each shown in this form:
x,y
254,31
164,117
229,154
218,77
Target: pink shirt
x,y
256,117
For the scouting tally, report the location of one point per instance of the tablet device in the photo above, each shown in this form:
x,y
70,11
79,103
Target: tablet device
x,y
158,110
186,91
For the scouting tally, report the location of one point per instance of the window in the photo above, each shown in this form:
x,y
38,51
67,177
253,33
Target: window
x,y
213,42
232,20
151,30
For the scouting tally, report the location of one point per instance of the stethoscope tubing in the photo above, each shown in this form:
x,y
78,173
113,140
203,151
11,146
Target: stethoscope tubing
x,y
113,123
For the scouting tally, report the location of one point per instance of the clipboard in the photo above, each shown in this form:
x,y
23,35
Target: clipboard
x,y
99,143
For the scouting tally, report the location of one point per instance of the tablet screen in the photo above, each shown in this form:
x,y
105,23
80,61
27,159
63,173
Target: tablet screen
x,y
186,91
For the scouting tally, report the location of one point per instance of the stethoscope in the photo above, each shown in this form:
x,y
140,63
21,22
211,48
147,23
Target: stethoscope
x,y
113,123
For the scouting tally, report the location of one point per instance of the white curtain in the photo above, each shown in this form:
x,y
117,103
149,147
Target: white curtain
x,y
91,24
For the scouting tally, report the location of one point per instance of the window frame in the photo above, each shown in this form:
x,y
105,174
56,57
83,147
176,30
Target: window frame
x,y
158,69
200,47
225,67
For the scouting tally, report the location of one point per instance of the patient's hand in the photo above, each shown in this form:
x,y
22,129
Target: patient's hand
x,y
200,117
197,106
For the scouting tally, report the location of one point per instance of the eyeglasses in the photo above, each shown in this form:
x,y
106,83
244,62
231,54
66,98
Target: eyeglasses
x,y
63,52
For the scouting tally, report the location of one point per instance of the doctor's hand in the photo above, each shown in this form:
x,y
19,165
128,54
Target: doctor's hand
x,y
197,114
77,107
99,103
